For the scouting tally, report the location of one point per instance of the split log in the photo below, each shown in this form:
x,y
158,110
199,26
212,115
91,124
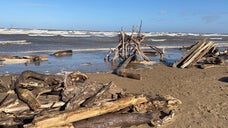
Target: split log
x,y
63,53
119,120
67,117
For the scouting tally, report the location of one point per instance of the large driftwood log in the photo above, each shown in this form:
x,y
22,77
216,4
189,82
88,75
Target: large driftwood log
x,y
67,117
119,120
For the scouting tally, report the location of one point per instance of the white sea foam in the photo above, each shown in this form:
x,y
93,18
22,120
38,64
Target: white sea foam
x,y
52,51
158,40
74,33
214,38
222,44
24,42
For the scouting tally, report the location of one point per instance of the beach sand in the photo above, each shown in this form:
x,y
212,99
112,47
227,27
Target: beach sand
x,y
203,92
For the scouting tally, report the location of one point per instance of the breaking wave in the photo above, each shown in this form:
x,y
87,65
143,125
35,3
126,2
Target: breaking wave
x,y
82,33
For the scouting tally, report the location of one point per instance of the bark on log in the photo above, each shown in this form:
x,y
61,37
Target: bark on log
x,y
67,117
118,120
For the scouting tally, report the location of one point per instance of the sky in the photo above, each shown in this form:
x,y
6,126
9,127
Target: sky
x,y
199,16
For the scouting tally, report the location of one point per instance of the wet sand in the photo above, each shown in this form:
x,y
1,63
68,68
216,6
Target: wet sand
x,y
203,92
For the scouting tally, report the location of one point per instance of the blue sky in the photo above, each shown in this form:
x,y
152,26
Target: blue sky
x,y
206,16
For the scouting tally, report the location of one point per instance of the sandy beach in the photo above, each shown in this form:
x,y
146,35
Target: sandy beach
x,y
203,93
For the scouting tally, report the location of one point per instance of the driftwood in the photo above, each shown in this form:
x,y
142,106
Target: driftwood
x,y
160,51
80,114
39,100
90,100
63,53
127,49
25,59
197,53
121,70
119,120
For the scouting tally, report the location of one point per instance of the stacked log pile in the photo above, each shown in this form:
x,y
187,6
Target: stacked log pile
x,y
38,100
201,53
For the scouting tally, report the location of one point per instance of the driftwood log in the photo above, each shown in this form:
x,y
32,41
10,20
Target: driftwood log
x,y
63,53
84,113
122,71
119,120
24,59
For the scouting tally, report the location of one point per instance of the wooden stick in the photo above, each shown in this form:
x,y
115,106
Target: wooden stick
x,y
67,117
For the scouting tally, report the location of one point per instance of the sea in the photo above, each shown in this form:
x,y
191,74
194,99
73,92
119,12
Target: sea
x,y
89,48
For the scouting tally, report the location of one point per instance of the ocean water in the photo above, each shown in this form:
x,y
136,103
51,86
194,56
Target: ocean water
x,y
89,48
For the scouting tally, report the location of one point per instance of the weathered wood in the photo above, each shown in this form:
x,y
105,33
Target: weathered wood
x,y
88,102
161,52
195,54
119,120
27,97
203,53
63,53
67,117
121,70
187,54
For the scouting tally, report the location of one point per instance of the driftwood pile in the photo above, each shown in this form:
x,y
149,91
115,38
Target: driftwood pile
x,y
36,100
201,53
127,49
